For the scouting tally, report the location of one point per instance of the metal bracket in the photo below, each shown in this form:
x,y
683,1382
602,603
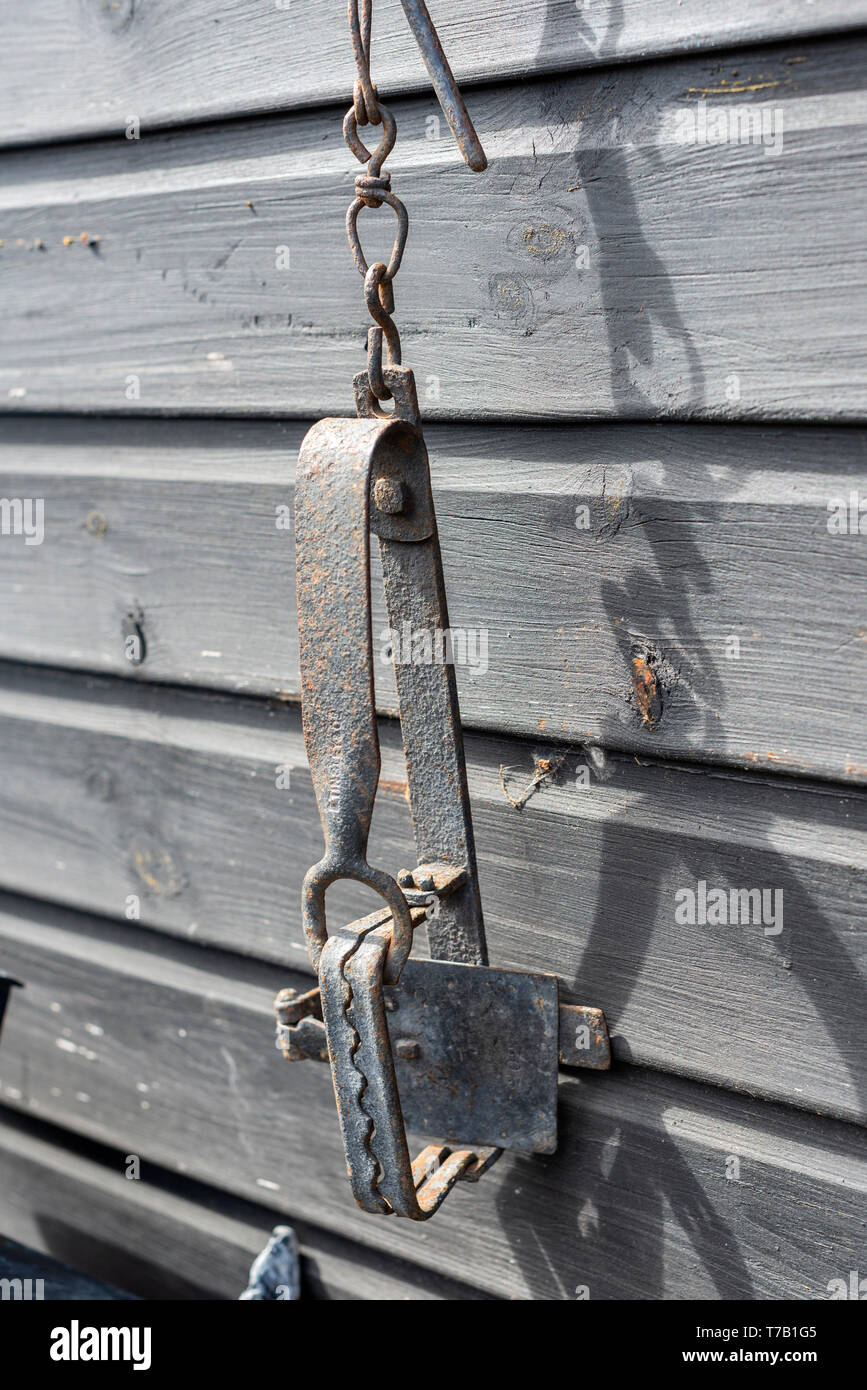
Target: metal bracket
x,y
446,1046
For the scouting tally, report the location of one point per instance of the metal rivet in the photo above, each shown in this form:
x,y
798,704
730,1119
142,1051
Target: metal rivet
x,y
389,496
407,1048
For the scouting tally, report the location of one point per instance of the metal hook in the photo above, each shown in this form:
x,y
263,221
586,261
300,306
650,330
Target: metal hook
x,y
444,84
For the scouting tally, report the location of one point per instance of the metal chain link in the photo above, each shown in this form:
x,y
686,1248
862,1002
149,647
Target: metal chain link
x,y
372,189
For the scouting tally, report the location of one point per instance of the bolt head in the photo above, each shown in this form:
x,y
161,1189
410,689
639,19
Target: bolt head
x,y
389,496
407,1048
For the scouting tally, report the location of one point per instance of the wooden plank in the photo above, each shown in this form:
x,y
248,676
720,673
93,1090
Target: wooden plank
x,y
162,1236
601,267
197,814
70,71
706,555
166,1052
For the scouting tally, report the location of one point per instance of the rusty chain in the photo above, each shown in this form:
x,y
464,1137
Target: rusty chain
x,y
372,189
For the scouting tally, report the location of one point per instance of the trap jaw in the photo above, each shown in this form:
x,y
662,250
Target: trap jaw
x,y
446,1046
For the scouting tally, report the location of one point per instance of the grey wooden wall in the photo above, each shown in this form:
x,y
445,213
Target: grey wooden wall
x,y
650,362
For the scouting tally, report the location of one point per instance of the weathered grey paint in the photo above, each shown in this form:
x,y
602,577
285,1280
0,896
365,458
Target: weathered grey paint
x,y
604,266
642,1199
600,267
89,68
570,556
167,1236
197,814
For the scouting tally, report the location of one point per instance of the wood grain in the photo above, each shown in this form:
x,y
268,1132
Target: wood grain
x,y
69,70
163,1236
600,267
706,556
197,814
635,1204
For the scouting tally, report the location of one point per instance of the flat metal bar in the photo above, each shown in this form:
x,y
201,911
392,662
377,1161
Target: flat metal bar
x,y
333,601
433,740
332,529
